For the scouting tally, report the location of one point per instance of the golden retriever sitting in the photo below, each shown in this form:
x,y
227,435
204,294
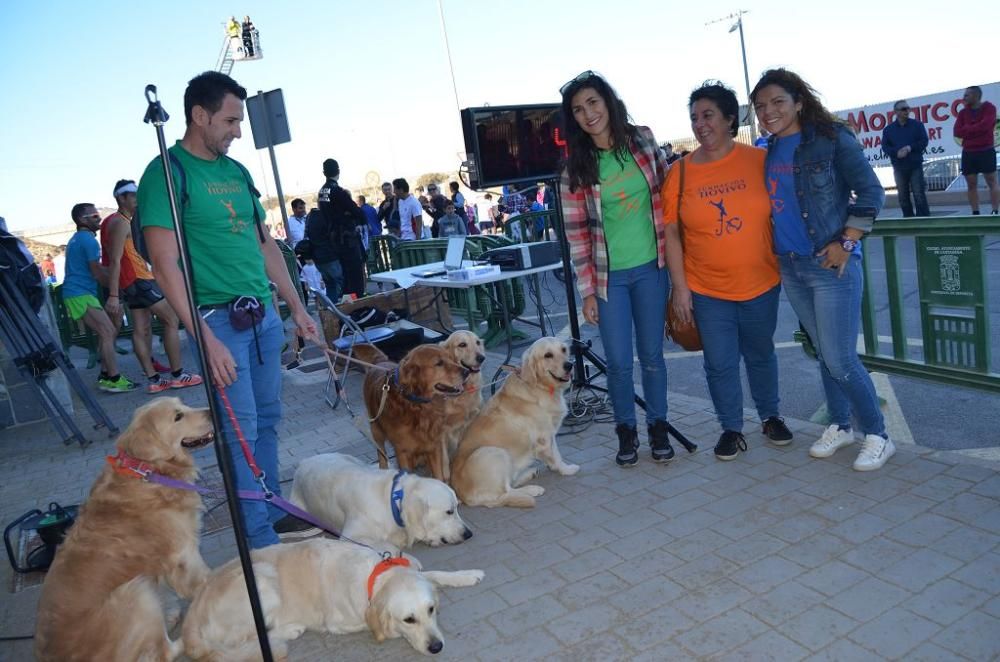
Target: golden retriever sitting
x,y
407,404
356,499
516,427
466,348
99,601
320,585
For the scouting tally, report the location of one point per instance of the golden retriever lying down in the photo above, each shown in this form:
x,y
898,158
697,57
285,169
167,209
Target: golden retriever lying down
x,y
407,403
355,499
320,585
99,601
516,427
467,349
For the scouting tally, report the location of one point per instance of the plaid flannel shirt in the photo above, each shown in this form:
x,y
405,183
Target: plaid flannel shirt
x,y
585,227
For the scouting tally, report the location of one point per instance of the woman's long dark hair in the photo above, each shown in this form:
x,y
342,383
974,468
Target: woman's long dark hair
x,y
813,112
581,164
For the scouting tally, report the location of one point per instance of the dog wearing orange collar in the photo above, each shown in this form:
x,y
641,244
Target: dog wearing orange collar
x,y
320,585
99,601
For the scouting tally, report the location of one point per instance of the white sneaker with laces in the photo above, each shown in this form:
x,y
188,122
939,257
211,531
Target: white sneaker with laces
x,y
833,439
875,451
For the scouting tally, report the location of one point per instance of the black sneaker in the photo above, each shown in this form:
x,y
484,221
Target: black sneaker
x,y
628,445
729,446
291,528
659,442
775,429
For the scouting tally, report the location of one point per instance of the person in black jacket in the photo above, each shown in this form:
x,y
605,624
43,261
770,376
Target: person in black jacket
x,y
333,232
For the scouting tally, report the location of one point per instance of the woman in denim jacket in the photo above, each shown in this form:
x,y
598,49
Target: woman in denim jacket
x,y
814,163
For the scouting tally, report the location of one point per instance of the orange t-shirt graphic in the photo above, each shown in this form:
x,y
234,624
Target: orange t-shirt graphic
x,y
726,212
133,266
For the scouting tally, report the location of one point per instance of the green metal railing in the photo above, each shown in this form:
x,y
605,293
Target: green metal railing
x,y
951,278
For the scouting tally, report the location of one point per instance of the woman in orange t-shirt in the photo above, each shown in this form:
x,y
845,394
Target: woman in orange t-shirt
x,y
724,271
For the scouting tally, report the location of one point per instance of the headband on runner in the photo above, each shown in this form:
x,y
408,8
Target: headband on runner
x,y
126,188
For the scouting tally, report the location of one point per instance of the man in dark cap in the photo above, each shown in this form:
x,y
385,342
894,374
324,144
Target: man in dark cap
x,y
333,230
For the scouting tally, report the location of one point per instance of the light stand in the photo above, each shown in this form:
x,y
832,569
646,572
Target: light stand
x,y
157,116
584,350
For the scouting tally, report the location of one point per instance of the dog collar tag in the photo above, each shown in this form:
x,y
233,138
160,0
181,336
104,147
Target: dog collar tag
x,y
396,499
383,566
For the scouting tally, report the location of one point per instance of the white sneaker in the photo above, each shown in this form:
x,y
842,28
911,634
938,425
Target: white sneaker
x,y
875,451
833,438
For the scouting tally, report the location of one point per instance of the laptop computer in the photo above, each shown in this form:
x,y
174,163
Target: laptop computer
x,y
452,259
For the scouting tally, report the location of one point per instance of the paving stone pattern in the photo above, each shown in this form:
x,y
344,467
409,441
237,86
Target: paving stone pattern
x,y
774,556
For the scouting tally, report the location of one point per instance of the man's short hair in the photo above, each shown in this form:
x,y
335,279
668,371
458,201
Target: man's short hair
x,y
901,101
331,168
77,212
978,90
362,199
401,184
298,202
208,90
384,184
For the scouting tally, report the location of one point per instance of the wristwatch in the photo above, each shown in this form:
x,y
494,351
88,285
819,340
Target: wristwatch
x,y
847,243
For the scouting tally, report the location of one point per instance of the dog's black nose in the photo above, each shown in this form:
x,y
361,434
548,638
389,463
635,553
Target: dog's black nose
x,y
435,646
466,534
567,366
480,358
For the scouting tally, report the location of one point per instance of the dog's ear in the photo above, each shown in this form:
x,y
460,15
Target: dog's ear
x,y
378,619
455,578
142,437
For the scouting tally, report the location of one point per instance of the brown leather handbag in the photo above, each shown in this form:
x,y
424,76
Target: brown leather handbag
x,y
685,335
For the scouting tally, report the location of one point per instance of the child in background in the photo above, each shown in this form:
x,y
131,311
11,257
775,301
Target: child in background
x,y
451,224
312,277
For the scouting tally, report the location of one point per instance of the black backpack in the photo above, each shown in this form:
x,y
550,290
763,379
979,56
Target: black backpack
x,y
24,273
180,181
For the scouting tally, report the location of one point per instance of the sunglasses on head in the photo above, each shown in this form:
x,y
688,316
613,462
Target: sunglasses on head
x,y
586,75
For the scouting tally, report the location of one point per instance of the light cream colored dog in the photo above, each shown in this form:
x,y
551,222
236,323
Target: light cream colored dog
x,y
356,500
319,585
468,350
99,601
516,427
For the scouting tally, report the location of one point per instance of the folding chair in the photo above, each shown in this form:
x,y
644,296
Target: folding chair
x,y
350,335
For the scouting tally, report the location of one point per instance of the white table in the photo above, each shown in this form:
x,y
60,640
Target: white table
x,y
406,278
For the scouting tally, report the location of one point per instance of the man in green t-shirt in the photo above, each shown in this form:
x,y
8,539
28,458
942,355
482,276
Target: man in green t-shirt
x,y
232,261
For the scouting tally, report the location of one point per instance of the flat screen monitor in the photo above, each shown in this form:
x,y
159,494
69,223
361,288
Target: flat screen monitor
x,y
513,144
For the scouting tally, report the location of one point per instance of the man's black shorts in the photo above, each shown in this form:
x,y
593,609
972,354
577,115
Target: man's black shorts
x,y
142,294
984,161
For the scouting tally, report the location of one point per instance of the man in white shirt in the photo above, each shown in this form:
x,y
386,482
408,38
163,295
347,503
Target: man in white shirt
x,y
411,217
297,222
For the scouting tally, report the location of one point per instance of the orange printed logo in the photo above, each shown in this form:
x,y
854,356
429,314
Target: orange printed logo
x,y
236,226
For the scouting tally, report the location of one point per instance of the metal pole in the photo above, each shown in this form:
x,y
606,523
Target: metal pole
x,y
158,117
274,163
746,79
447,48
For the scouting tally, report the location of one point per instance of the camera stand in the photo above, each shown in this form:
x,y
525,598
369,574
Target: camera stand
x,y
584,349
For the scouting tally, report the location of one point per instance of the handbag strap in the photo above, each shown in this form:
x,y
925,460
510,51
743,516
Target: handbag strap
x,y
680,194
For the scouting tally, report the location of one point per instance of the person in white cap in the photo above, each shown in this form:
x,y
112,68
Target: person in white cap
x,y
130,281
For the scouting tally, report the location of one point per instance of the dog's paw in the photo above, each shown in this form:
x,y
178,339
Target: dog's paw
x,y
534,490
569,469
475,576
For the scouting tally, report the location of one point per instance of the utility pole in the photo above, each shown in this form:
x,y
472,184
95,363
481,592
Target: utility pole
x,y
738,25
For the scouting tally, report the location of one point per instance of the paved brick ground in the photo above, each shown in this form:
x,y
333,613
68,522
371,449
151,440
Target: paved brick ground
x,y
773,556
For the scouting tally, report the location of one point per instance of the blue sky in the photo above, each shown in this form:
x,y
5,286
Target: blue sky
x,y
368,82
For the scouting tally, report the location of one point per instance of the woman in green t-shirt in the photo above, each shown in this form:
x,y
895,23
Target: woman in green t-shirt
x,y
610,191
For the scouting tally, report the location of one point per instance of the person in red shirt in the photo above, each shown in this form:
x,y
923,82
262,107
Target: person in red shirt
x,y
976,127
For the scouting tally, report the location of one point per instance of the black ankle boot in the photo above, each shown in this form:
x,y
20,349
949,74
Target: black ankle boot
x,y
628,445
659,442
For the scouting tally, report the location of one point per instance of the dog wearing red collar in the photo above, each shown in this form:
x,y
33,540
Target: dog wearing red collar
x,y
320,585
99,600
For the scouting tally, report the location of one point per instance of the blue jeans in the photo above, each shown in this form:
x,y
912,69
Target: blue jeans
x,y
256,400
910,180
333,278
730,329
635,296
830,310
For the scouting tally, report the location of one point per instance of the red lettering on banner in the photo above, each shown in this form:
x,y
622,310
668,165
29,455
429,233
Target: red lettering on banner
x,y
955,106
936,113
878,121
859,123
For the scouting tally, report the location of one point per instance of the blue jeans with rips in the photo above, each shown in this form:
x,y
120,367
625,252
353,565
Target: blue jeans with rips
x,y
636,297
256,400
829,307
729,330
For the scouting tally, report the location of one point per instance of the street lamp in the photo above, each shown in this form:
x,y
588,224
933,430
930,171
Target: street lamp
x,y
738,25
